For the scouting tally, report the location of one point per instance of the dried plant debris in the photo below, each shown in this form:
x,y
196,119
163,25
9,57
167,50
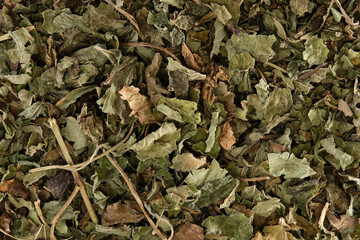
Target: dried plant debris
x,y
174,119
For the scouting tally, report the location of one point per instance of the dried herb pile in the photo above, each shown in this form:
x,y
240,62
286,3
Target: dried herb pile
x,y
179,119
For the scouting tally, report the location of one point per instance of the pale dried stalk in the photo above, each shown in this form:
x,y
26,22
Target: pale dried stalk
x,y
255,179
82,165
323,215
276,67
76,175
127,15
136,196
57,216
39,212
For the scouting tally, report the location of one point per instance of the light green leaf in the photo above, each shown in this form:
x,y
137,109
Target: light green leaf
x,y
72,96
241,61
299,6
73,133
315,51
175,3
289,165
279,102
259,46
178,109
93,54
215,121
103,17
266,208
221,13
219,35
35,110
50,209
213,191
159,143
342,158
235,226
18,79
232,6
202,176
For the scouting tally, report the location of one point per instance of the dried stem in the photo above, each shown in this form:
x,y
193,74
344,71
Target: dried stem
x,y
76,175
144,44
127,15
135,195
57,216
82,165
39,212
323,215
276,67
255,179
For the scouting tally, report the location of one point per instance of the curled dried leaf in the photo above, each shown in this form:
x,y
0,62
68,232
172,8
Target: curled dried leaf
x,y
139,104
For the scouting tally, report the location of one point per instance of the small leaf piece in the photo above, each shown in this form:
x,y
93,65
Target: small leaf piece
x,y
315,52
289,165
189,231
119,213
235,226
227,138
187,162
139,105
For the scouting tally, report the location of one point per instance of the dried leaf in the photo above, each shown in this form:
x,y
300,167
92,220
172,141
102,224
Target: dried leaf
x,y
227,138
187,162
189,231
119,213
139,105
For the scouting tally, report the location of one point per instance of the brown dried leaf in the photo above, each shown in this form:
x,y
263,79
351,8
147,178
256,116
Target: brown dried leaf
x,y
119,213
187,162
344,107
5,222
15,187
139,105
343,223
189,58
276,148
227,138
58,185
189,231
5,185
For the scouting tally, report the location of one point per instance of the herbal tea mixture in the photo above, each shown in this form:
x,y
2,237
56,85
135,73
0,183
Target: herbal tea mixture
x,y
179,119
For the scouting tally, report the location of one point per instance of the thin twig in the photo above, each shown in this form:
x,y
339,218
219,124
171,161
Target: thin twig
x,y
308,74
76,175
327,103
82,165
57,216
144,44
135,195
108,81
127,15
276,67
255,179
348,20
323,215
39,212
